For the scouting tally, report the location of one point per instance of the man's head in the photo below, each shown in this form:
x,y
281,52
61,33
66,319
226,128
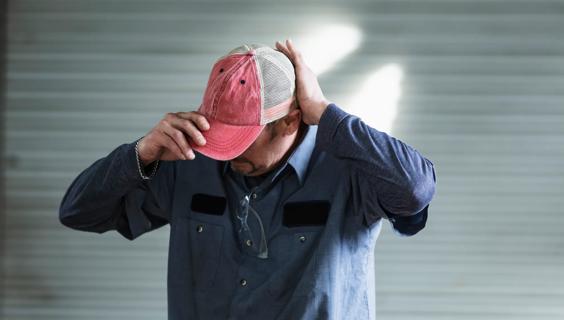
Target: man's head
x,y
250,87
272,146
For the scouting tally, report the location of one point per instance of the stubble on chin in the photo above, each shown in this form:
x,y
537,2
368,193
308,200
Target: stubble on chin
x,y
248,168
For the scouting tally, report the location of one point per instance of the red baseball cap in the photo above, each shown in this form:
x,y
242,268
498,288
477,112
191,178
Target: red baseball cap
x,y
249,87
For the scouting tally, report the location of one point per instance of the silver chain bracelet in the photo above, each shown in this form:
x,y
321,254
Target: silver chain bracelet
x,y
139,163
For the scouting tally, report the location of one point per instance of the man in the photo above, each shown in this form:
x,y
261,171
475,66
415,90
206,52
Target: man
x,y
280,218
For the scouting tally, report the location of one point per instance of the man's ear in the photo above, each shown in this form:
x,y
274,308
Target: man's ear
x,y
292,121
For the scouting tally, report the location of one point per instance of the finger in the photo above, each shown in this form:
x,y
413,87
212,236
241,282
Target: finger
x,y
188,127
296,54
200,121
284,50
280,46
168,142
179,138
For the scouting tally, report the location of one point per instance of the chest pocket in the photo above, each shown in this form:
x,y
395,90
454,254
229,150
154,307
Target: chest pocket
x,y
295,244
302,222
206,238
206,241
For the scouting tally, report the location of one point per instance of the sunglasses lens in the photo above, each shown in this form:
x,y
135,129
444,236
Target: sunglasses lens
x,y
245,234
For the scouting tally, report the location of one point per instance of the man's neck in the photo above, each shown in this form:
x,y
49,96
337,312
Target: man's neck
x,y
297,140
302,130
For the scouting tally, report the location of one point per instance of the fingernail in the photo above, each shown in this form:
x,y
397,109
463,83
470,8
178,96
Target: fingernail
x,y
202,141
191,155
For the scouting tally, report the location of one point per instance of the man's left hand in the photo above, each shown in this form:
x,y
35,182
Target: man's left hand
x,y
311,100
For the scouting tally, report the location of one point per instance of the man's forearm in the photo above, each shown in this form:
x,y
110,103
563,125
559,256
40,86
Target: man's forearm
x,y
94,197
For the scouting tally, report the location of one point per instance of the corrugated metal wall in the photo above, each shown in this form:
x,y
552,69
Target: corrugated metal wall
x,y
3,43
482,97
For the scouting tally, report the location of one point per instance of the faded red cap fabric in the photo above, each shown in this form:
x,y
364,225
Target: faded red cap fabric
x,y
249,87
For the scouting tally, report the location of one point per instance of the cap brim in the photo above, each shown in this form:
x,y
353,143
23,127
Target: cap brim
x,y
225,141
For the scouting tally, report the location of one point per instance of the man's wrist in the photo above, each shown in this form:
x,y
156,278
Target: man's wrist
x,y
141,165
139,147
322,106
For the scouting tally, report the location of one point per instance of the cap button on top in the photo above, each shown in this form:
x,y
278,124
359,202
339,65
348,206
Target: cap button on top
x,y
200,228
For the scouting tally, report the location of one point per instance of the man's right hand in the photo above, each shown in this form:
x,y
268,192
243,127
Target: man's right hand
x,y
171,138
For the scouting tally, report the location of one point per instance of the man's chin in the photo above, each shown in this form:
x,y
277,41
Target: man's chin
x,y
245,167
241,166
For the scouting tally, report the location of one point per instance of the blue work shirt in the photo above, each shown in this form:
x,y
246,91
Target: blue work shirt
x,y
321,212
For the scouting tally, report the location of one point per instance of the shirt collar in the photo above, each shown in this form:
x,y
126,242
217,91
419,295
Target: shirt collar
x,y
299,160
300,157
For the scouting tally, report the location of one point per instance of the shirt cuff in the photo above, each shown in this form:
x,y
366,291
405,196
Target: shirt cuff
x,y
328,125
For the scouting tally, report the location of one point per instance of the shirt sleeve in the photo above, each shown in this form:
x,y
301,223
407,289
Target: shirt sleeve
x,y
390,179
112,194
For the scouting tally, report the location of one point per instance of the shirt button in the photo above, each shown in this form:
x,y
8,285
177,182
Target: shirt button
x,y
254,195
200,228
249,243
302,238
243,282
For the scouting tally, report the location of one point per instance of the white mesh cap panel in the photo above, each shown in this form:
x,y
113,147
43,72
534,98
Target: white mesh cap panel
x,y
278,82
248,47
277,86
276,76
